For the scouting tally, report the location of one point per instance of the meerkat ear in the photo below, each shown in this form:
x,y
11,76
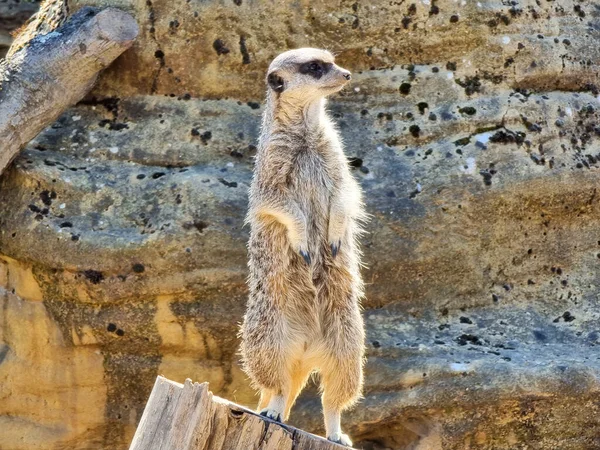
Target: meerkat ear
x,y
276,82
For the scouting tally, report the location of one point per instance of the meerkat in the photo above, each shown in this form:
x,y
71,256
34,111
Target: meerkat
x,y
305,213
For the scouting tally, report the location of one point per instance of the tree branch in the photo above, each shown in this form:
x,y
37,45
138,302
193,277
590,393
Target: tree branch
x,y
55,71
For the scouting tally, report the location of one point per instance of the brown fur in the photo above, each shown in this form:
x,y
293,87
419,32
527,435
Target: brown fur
x,y
303,200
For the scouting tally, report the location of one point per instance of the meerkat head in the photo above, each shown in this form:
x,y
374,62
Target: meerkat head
x,y
305,75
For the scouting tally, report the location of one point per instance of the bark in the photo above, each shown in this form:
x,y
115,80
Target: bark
x,y
189,417
55,71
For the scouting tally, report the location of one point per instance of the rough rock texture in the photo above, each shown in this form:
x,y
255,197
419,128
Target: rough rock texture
x,y
13,14
473,128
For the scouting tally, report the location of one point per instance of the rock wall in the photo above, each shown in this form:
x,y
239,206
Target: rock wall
x,y
473,129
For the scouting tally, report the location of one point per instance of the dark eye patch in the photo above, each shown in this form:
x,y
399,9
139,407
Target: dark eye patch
x,y
315,69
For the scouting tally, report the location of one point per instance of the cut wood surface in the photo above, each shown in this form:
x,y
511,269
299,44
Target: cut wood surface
x,y
55,71
190,417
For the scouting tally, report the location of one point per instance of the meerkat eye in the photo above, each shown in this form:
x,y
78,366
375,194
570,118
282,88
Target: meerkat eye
x,y
315,69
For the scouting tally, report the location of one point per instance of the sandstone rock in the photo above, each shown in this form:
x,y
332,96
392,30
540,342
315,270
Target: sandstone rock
x,y
473,129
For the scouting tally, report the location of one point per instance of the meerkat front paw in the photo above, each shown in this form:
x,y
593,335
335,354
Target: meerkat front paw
x,y
271,414
337,230
340,438
335,247
306,256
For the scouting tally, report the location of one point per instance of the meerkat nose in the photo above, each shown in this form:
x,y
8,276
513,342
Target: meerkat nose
x,y
347,75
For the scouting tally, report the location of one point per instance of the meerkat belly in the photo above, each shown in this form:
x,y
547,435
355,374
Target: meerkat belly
x,y
313,188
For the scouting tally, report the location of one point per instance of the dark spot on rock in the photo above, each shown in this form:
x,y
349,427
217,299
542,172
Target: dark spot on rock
x,y
464,319
487,177
157,175
205,137
47,197
462,141
231,184
453,18
34,209
470,84
116,126
93,276
120,332
376,344
568,317
495,298
220,47
534,127
159,54
141,176
253,105
405,88
414,130
451,66
432,117
355,162
465,339
468,110
66,225
244,51
138,268
74,237
422,107
406,22
539,335
508,137
111,327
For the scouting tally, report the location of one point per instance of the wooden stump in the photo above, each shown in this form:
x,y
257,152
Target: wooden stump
x,y
190,417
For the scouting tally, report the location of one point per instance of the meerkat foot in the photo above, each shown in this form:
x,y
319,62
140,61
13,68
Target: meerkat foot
x,y
340,438
275,408
306,256
271,414
335,248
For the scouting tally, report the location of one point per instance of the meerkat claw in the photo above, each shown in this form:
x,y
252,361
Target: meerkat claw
x,y
340,438
306,256
335,248
271,414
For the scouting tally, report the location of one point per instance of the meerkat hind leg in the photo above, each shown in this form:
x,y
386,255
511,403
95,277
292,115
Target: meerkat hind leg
x,y
333,425
298,381
265,398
